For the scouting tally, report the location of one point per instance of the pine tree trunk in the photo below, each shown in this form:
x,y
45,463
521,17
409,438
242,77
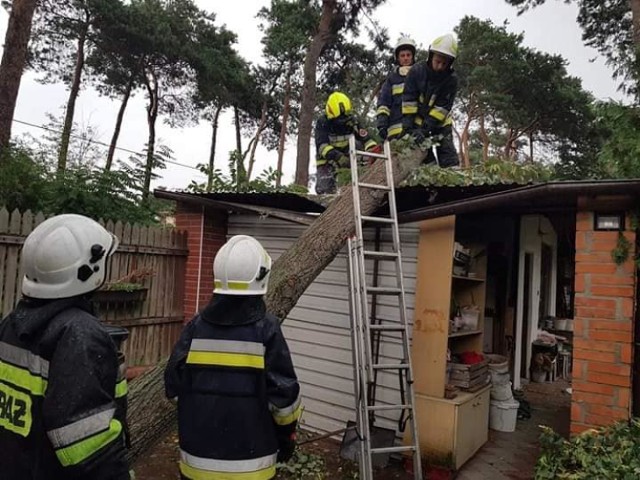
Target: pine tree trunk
x,y
236,121
73,97
119,118
308,98
256,140
151,83
285,120
150,414
14,58
212,151
485,139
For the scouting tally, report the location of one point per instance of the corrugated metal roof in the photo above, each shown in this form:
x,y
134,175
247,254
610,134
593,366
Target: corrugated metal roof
x,y
420,199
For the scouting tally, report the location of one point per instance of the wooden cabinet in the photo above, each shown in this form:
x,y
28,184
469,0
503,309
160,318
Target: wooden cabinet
x,y
451,430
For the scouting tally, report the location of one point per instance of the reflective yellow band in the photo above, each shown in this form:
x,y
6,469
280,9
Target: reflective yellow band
x,y
225,359
78,452
408,109
15,410
320,162
198,474
326,149
397,89
23,379
437,115
287,415
370,144
341,143
200,468
418,121
432,100
395,129
233,285
121,389
383,110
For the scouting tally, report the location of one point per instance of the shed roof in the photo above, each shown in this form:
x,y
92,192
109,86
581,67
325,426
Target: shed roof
x,y
418,203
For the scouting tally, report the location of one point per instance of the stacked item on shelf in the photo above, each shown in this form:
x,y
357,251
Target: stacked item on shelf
x,y
469,371
503,411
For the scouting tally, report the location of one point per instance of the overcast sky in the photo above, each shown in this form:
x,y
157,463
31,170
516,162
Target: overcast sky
x,y
551,28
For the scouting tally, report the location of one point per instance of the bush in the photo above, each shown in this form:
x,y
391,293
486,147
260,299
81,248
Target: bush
x,y
608,453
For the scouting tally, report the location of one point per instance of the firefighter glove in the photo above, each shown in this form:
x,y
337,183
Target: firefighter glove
x,y
382,131
286,447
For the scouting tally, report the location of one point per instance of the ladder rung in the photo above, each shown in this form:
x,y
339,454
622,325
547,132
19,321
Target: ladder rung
x,y
376,408
390,366
370,154
389,328
383,291
375,186
366,218
380,255
405,448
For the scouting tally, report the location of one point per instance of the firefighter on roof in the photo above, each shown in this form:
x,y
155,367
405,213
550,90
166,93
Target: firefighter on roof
x,y
389,112
332,133
231,372
429,93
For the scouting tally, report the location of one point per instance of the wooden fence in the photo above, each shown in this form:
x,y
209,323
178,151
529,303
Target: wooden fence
x,y
155,319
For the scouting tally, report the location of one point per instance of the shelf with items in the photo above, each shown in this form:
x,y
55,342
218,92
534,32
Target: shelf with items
x,y
436,336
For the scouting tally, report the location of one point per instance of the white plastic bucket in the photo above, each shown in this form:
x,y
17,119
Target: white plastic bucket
x,y
503,415
498,363
501,392
500,378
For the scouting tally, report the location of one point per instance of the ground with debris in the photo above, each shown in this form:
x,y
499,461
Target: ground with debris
x,y
506,456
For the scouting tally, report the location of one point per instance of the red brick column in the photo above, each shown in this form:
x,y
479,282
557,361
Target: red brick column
x,y
603,328
207,230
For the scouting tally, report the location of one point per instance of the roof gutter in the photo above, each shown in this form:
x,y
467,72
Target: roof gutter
x,y
520,195
237,207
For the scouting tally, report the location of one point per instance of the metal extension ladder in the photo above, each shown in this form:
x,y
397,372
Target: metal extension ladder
x,y
366,363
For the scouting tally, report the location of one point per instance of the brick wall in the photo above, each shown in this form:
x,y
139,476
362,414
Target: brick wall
x,y
206,233
603,328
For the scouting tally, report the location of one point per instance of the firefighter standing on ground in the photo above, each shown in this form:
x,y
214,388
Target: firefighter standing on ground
x,y
231,371
332,133
62,413
389,112
429,92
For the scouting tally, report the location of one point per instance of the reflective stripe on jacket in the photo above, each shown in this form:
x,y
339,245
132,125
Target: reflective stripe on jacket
x,y
389,111
59,416
332,140
232,374
428,98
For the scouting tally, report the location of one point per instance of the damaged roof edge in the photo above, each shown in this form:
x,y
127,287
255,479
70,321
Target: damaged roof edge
x,y
524,194
301,218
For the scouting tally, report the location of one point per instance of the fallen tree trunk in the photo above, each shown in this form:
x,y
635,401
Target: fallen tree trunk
x,y
150,414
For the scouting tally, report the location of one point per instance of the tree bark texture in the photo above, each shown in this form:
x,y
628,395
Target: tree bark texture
x,y
14,58
150,415
256,140
212,150
308,98
286,109
236,121
635,18
151,83
119,118
73,96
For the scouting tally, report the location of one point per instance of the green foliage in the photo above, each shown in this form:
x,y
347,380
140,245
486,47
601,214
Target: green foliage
x,y
30,184
620,254
494,171
619,156
612,452
303,466
123,287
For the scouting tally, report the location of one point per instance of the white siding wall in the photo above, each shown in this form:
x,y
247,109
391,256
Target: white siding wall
x,y
318,328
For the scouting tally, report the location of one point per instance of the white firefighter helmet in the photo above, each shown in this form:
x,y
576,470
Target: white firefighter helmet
x,y
445,45
405,43
241,267
65,256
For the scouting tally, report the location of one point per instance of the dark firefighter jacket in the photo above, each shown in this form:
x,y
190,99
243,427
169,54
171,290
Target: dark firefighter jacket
x,y
332,140
237,392
428,98
389,112
59,379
